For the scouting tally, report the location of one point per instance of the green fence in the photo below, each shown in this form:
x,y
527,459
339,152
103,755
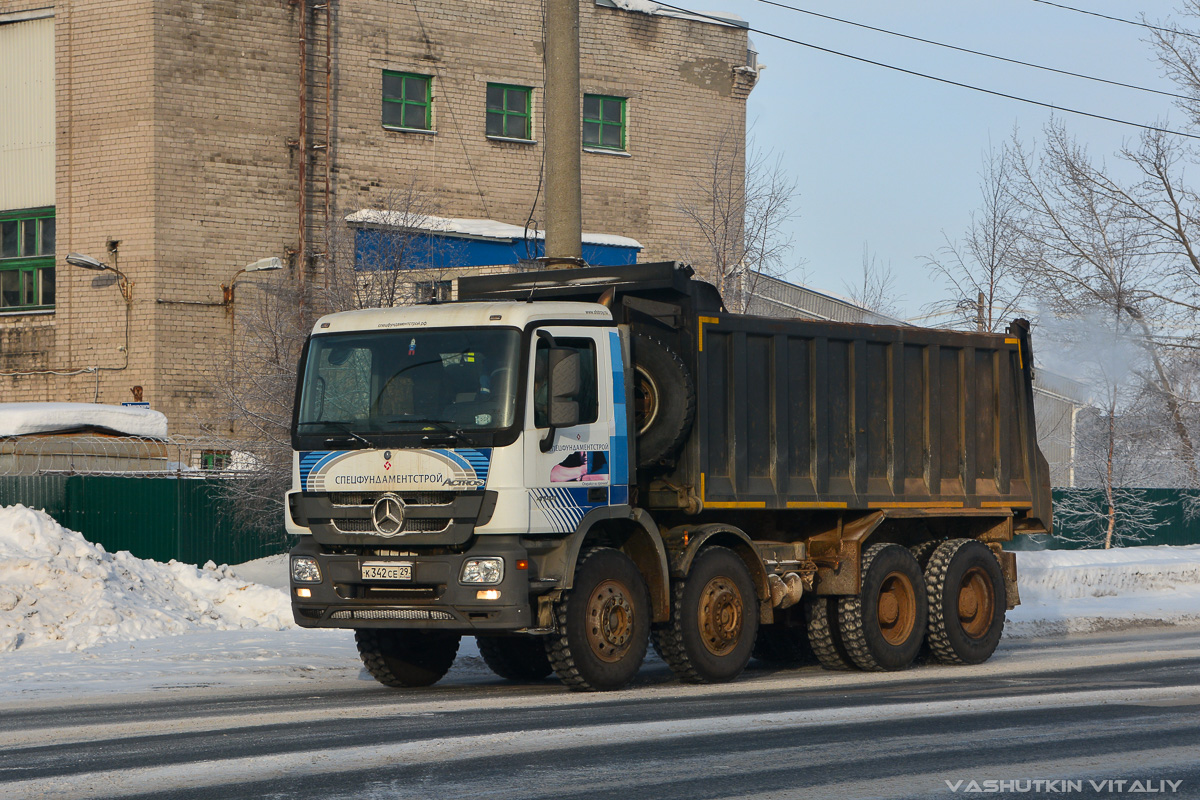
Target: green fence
x,y
186,519
1167,507
155,518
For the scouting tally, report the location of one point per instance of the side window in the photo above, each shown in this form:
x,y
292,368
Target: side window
x,y
589,398
508,111
604,122
27,259
407,100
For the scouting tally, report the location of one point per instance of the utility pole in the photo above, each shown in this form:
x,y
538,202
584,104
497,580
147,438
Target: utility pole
x,y
564,216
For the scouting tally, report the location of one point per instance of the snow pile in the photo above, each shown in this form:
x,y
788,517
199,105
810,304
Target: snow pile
x,y
1081,591
58,588
21,418
482,228
640,6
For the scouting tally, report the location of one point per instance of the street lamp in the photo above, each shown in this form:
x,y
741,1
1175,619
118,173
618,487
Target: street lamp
x,y
87,262
262,265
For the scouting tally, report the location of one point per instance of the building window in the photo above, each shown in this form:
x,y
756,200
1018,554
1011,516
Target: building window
x,y
604,122
26,259
407,100
431,291
508,111
216,460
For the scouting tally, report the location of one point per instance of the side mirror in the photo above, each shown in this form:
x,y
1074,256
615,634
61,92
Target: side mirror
x,y
562,390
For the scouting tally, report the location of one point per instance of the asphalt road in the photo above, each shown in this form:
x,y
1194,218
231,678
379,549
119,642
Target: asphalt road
x,y
1109,716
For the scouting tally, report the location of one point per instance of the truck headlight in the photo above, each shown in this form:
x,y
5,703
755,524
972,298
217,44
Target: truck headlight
x,y
305,570
482,570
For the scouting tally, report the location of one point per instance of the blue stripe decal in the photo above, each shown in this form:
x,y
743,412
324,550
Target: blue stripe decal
x,y
564,507
310,460
618,446
471,459
479,460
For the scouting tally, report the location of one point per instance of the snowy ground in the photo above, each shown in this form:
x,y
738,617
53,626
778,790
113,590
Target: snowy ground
x,y
78,621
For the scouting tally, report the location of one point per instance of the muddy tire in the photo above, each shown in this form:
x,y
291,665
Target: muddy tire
x,y
923,552
823,634
883,626
405,659
714,620
785,642
517,658
603,623
966,602
664,401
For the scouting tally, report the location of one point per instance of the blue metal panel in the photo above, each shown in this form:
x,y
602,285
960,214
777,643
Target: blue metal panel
x,y
381,249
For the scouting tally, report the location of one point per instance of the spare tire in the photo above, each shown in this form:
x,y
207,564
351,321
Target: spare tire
x,y
664,400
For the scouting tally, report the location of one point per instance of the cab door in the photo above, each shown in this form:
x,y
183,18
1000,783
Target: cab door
x,y
573,476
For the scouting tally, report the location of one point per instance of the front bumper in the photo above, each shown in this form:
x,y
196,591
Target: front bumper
x,y
432,599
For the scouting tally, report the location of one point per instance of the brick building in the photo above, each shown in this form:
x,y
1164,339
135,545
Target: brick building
x,y
178,142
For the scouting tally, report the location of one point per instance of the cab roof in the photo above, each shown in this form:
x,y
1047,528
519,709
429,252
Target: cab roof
x,y
516,314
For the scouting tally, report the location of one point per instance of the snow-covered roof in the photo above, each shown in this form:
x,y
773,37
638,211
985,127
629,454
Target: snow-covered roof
x,y
472,228
17,419
655,9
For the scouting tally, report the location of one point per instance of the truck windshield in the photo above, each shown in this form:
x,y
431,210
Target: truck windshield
x,y
409,381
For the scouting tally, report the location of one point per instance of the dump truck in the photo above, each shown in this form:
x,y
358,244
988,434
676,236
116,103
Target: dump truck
x,y
574,465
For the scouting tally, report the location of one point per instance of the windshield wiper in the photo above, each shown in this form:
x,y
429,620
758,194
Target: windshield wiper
x,y
345,428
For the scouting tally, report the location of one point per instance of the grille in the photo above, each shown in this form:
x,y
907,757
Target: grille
x,y
420,525
391,613
409,498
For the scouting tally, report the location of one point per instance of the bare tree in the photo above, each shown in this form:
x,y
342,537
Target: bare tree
x,y
1119,446
986,271
387,258
1123,248
876,291
740,203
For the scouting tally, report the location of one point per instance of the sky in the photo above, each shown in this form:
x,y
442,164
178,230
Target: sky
x,y
891,161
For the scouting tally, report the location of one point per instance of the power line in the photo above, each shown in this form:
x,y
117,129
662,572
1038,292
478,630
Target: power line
x,y
947,81
1119,19
972,52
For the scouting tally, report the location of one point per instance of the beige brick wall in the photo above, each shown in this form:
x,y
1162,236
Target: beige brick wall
x,y
678,75
173,126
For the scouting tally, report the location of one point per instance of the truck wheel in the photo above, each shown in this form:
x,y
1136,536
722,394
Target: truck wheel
x,y
517,658
924,551
603,623
664,400
406,658
966,602
714,619
883,626
823,633
785,642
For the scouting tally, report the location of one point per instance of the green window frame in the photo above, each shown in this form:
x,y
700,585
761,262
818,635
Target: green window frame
x,y
509,111
407,101
27,239
604,121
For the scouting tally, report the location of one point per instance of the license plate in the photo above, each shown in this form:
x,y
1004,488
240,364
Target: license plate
x,y
388,571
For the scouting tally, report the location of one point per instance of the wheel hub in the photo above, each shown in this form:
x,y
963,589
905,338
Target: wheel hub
x,y
720,616
610,621
976,603
896,608
645,400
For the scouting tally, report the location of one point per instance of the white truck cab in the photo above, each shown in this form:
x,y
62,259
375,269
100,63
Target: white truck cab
x,y
425,459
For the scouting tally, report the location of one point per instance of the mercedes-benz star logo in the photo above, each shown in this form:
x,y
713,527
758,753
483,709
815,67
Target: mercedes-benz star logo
x,y
388,515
